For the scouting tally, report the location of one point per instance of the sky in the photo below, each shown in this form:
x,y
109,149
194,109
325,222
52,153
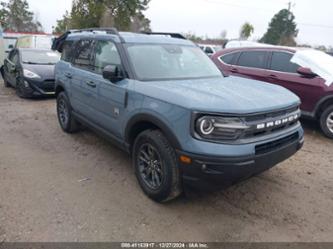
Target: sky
x,y
211,17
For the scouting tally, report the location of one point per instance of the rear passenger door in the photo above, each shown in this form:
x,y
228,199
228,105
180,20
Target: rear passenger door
x,y
109,103
83,88
251,64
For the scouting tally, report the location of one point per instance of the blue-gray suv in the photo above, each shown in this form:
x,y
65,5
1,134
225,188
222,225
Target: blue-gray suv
x,y
161,99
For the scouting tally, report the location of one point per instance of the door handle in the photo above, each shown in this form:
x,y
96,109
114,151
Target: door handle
x,y
273,76
68,75
91,83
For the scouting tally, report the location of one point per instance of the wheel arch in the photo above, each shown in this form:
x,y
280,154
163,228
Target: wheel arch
x,y
323,104
142,122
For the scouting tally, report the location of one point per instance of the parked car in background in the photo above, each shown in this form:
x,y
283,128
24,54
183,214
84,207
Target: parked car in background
x,y
210,49
240,43
31,71
164,101
35,41
306,72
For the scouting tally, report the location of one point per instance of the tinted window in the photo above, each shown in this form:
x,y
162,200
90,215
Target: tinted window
x,y
106,54
67,51
254,59
281,62
229,58
83,54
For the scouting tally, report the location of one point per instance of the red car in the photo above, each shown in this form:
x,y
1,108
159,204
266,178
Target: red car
x,y
306,72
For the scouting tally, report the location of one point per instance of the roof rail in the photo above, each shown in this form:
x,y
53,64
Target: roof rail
x,y
58,42
113,31
173,35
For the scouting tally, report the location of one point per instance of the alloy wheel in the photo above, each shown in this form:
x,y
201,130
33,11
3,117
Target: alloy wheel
x,y
150,166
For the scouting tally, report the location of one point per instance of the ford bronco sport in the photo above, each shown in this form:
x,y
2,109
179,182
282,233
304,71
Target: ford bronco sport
x,y
161,99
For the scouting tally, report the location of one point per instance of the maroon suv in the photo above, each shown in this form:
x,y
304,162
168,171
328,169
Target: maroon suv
x,y
306,72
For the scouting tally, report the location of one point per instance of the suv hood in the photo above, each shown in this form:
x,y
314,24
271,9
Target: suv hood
x,y
227,95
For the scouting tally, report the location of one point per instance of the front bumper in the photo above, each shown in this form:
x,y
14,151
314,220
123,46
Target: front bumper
x,y
41,88
208,173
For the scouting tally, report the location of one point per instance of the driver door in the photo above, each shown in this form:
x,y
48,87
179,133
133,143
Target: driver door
x,y
10,66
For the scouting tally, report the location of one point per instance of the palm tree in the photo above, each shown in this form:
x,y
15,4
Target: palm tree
x,y
246,31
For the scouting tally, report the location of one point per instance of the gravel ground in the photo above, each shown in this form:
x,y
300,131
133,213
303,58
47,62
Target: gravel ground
x,y
42,197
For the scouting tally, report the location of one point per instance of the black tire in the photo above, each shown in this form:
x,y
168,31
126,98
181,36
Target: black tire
x,y
21,90
160,165
5,82
326,121
65,117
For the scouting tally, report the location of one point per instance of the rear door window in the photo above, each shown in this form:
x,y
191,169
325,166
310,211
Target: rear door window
x,y
253,59
83,54
67,51
281,62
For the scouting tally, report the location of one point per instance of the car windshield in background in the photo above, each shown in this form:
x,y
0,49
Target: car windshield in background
x,y
166,62
40,57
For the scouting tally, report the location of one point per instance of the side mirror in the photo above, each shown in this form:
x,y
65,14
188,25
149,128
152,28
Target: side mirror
x,y
113,73
12,68
307,72
11,46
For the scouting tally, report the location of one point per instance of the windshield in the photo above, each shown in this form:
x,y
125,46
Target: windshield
x,y
40,57
163,62
319,62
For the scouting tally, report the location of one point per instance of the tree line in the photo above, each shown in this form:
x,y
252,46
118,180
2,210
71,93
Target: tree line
x,y
129,16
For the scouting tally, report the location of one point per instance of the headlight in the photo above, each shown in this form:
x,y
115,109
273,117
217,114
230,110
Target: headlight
x,y
30,75
220,128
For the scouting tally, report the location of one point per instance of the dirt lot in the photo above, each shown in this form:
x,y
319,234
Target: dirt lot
x,y
42,199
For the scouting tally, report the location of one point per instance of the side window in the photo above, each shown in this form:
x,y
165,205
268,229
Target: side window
x,y
229,58
106,53
255,59
281,62
83,54
67,51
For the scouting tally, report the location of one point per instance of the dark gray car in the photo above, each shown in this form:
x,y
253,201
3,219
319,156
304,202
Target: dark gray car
x,y
31,71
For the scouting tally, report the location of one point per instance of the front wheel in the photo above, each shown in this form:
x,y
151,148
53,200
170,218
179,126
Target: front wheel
x,y
156,166
65,116
326,121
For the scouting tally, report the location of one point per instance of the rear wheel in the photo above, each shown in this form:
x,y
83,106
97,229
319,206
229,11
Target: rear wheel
x,y
65,116
156,166
326,121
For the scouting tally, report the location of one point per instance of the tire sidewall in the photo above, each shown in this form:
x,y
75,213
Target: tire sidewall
x,y
323,121
63,96
164,191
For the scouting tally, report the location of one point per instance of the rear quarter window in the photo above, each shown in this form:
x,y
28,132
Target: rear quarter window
x,y
229,58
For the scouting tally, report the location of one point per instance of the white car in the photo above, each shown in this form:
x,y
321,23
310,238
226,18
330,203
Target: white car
x,y
210,49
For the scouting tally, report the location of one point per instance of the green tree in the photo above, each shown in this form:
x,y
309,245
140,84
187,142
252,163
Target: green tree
x,y
282,29
15,16
124,15
246,31
63,24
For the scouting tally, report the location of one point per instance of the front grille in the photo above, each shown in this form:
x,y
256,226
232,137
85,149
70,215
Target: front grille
x,y
272,122
271,146
49,86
